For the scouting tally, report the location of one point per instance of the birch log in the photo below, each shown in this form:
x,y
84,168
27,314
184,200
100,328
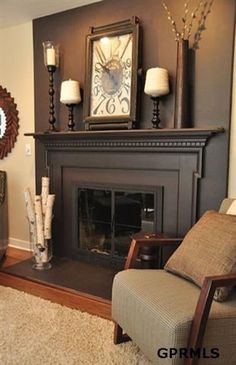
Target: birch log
x,y
31,216
48,217
39,220
32,221
44,192
45,255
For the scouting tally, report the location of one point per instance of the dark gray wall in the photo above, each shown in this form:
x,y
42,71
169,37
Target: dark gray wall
x,y
211,71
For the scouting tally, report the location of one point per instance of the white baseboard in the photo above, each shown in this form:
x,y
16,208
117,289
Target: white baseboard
x,y
20,244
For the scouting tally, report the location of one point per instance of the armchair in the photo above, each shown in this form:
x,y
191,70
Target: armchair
x,y
172,320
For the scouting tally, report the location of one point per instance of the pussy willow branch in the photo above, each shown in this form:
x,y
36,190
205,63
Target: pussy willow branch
x,y
170,18
201,23
193,17
184,19
189,18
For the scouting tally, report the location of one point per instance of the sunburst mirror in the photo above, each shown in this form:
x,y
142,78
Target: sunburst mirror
x,y
9,122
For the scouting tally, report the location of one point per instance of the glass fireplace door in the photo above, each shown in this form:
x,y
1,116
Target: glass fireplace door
x,y
107,218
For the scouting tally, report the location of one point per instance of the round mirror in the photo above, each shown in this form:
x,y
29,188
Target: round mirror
x,y
3,123
9,122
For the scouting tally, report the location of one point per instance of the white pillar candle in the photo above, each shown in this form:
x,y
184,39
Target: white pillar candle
x,y
157,82
70,92
51,57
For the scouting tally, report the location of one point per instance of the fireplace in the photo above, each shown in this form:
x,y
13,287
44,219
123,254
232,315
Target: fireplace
x,y
108,216
111,184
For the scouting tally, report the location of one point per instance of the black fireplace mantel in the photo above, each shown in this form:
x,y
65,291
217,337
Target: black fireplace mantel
x,y
170,159
136,140
140,139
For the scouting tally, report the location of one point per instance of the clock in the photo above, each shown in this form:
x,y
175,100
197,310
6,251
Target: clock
x,y
9,122
111,86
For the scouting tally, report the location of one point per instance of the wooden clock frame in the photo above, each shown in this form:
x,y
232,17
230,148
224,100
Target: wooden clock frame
x,y
9,108
131,26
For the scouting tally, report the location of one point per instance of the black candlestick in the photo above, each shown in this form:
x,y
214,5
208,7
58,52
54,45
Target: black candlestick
x,y
71,123
51,92
156,119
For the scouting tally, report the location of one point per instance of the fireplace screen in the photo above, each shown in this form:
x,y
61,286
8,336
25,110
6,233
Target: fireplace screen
x,y
107,218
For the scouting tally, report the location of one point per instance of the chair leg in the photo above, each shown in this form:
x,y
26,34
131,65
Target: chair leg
x,y
119,336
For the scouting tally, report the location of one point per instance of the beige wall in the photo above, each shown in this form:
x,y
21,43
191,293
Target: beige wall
x,y
16,74
232,165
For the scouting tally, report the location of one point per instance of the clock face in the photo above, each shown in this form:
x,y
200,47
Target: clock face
x,y
111,76
3,123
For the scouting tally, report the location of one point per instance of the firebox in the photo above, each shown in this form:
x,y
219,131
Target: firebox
x,y
107,217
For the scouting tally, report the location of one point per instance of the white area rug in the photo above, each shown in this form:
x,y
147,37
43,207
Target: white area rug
x,y
38,332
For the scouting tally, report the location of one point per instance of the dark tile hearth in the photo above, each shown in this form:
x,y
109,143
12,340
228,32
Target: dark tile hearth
x,y
67,273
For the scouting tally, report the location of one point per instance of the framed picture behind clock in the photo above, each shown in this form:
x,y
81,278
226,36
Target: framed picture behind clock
x,y
111,81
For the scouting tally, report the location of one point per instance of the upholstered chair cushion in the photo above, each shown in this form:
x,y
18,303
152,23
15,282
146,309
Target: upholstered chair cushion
x,y
232,208
208,249
228,206
156,309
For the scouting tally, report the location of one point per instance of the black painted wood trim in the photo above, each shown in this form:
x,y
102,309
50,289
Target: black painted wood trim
x,y
136,139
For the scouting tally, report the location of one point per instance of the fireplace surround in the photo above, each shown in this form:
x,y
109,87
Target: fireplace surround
x,y
167,164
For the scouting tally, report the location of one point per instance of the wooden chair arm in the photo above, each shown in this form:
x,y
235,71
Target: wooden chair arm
x,y
211,283
151,240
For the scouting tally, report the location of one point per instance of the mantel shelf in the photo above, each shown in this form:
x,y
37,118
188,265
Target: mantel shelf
x,y
186,133
163,140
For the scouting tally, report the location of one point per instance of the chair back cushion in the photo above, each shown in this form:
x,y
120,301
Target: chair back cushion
x,y
209,248
228,206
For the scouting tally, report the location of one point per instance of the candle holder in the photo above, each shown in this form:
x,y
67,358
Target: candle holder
x,y
51,92
70,96
71,123
156,85
156,122
51,61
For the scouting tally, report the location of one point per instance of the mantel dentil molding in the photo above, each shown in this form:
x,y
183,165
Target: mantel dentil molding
x,y
136,140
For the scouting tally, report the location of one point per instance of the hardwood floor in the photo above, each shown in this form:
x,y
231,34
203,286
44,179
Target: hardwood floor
x,y
55,293
14,256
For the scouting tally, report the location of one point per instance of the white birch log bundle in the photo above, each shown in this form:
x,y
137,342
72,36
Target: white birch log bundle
x,y
48,217
39,220
40,216
44,192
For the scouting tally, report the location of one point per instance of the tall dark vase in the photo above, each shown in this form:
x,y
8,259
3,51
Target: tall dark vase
x,y
181,116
